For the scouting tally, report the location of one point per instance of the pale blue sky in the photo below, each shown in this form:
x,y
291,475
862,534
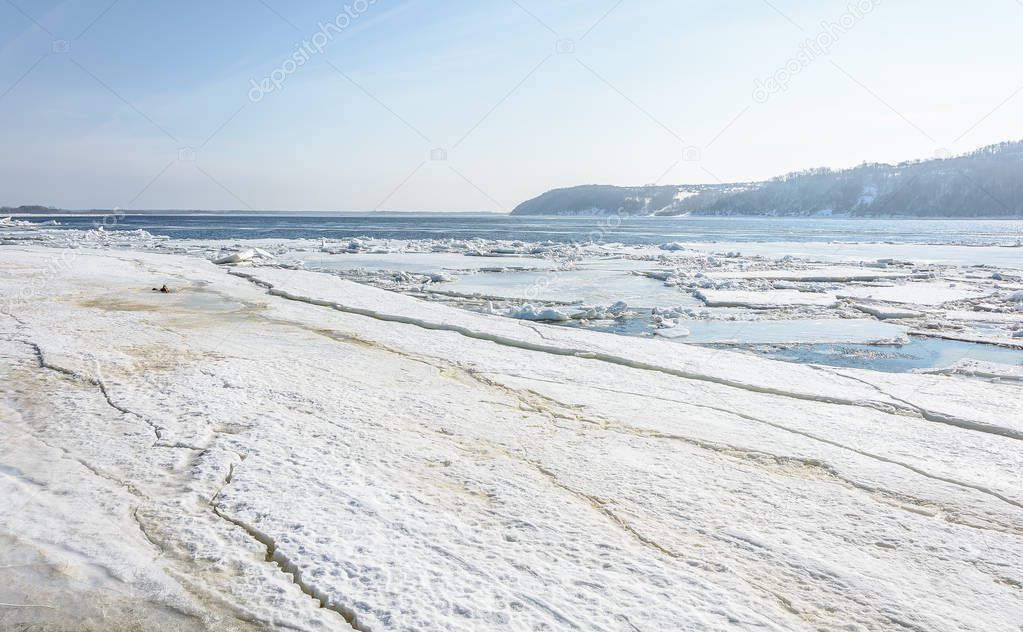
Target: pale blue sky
x,y
119,104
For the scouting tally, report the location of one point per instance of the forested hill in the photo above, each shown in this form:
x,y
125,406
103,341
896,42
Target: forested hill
x,y
985,183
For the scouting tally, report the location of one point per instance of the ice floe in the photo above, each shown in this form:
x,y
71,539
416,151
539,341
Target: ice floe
x,y
791,332
766,299
886,312
979,368
531,312
932,293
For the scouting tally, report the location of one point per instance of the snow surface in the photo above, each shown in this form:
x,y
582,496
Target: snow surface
x,y
586,286
818,331
931,293
530,312
415,261
992,317
979,368
814,274
267,448
886,312
765,299
1001,256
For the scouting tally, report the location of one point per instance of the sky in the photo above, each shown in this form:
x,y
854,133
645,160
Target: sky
x,y
477,105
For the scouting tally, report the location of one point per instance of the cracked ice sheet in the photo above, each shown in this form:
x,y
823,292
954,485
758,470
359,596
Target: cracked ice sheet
x,y
979,368
814,274
743,398
933,293
118,520
1002,412
95,576
403,531
767,299
997,256
413,261
807,331
407,489
983,474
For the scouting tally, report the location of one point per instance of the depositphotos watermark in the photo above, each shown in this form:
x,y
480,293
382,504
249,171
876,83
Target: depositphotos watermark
x,y
813,49
308,48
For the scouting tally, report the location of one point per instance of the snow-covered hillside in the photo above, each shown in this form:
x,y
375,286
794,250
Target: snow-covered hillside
x,y
984,183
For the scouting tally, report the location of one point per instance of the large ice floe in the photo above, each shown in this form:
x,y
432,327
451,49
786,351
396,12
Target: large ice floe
x,y
263,447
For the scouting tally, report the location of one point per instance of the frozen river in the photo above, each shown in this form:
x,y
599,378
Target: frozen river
x,y
892,295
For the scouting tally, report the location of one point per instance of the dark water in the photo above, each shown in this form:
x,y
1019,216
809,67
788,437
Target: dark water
x,y
636,230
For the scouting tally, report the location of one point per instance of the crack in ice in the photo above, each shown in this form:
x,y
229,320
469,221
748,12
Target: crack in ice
x,y
601,356
809,435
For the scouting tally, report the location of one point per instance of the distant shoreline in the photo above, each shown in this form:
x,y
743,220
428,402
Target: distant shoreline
x,y
99,213
412,214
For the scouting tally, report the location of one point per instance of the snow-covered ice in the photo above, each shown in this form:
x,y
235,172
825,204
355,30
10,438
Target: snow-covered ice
x,y
766,299
934,293
271,448
530,312
988,317
581,286
859,331
886,312
948,254
814,274
992,370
